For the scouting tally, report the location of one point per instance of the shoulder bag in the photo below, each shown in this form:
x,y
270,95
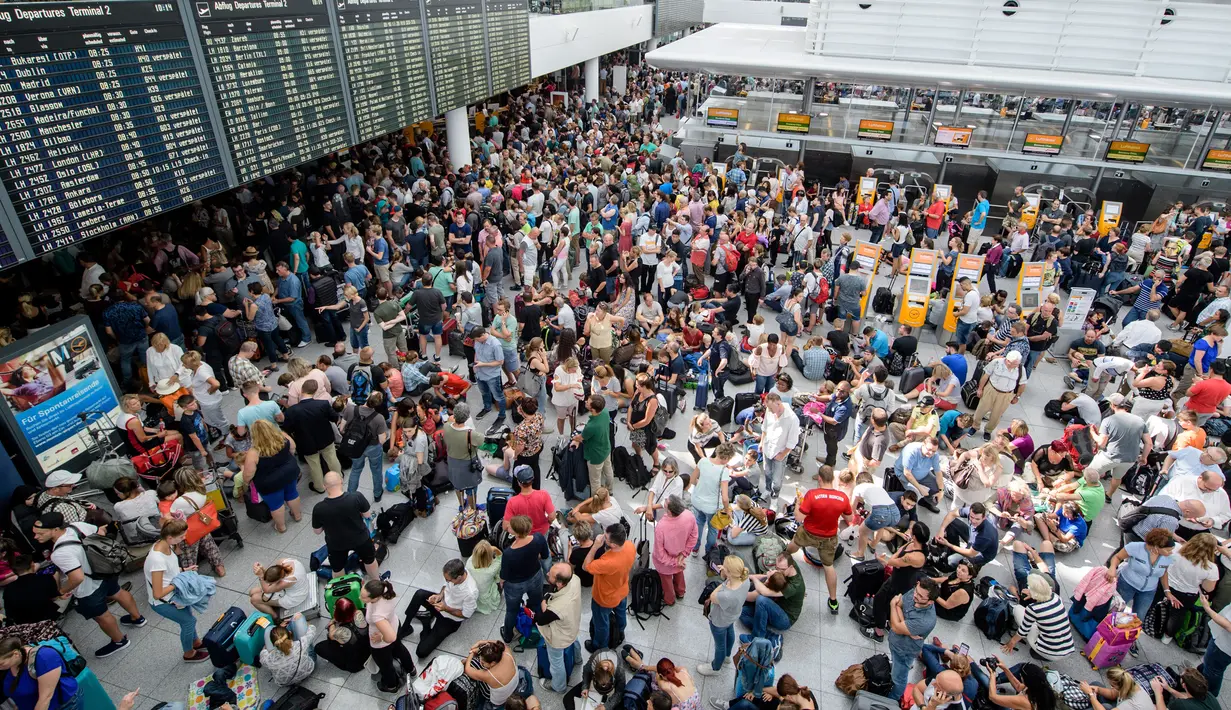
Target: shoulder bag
x,y
202,522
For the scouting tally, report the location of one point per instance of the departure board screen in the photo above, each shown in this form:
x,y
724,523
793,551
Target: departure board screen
x,y
275,74
8,256
508,43
102,118
459,67
386,64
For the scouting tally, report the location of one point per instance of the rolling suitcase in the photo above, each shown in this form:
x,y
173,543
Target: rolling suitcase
x,y
457,346
883,301
347,586
674,394
703,392
911,378
90,692
219,641
250,637
497,500
570,660
870,701
722,410
1110,643
744,400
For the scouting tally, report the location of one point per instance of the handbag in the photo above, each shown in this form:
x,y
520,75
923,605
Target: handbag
x,y
720,520
476,465
962,473
469,522
202,522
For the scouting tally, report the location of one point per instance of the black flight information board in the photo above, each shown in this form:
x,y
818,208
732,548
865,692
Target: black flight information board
x,y
508,43
386,64
102,119
275,73
8,257
459,67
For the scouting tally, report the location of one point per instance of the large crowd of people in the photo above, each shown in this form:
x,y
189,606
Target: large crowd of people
x,y
569,270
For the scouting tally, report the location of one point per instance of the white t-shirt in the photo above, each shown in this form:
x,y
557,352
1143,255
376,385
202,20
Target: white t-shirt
x,y
169,565
295,597
649,239
971,301
872,495
184,504
609,515
803,236
566,398
68,557
665,273
144,505
1186,577
200,386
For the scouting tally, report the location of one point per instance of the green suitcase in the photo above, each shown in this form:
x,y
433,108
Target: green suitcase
x,y
347,586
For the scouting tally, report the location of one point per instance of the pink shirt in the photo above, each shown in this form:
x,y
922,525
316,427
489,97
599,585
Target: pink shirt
x,y
673,536
322,387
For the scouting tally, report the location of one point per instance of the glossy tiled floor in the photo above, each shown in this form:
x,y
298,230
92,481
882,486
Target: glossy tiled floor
x,y
816,649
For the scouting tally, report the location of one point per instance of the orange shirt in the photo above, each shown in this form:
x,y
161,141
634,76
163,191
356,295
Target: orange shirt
x,y
611,575
1190,437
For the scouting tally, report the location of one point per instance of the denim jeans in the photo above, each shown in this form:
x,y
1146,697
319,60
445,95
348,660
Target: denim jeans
x,y
127,350
601,616
359,337
775,469
1139,600
724,643
1134,314
1022,567
183,617
1213,666
962,332
493,393
555,656
272,342
704,531
764,384
1031,360
764,616
295,309
531,589
372,456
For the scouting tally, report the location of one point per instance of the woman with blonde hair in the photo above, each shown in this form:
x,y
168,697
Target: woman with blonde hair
x,y
1125,692
600,510
725,604
979,482
271,467
192,501
360,319
288,658
567,392
749,521
191,283
1193,570
943,385
163,364
484,568
302,371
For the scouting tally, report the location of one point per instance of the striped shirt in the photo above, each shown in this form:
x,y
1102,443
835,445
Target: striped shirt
x,y
748,522
1055,638
1143,302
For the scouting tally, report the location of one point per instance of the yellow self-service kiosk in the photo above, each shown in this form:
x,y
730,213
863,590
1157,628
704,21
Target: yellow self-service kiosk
x,y
1030,287
943,192
1030,210
970,266
918,288
1109,217
869,257
867,188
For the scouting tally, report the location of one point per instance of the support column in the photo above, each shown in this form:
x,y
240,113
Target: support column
x,y
591,79
957,113
809,92
910,99
457,132
927,130
1068,119
651,44
1209,137
1119,119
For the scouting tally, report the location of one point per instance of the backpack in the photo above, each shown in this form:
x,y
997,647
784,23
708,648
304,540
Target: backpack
x,y
391,522
637,689
877,676
360,384
731,256
355,439
298,697
647,595
660,416
822,292
108,557
993,616
1134,516
228,336
872,401
424,502
765,552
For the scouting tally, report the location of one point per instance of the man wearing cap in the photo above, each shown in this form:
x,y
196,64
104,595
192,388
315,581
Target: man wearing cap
x,y
55,499
1122,440
92,594
1001,385
1206,487
530,502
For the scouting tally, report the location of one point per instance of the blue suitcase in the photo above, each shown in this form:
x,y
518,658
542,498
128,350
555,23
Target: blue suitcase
x,y
250,637
570,660
703,392
219,641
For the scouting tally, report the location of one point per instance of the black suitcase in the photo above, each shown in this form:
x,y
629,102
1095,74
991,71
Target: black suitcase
x,y
219,641
722,410
257,511
456,347
970,390
744,400
674,394
866,578
883,301
911,378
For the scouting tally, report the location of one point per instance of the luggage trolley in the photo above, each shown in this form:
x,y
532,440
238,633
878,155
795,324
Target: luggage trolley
x,y
229,530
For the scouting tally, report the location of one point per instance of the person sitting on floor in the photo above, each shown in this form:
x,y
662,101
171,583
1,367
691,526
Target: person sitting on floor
x,y
446,610
346,644
1064,527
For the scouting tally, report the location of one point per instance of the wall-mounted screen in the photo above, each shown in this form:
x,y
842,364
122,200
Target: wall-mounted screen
x,y
722,117
875,130
953,136
1042,144
1216,159
1127,151
794,123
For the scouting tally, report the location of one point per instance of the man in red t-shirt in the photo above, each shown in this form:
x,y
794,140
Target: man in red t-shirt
x,y
1205,396
448,384
533,504
821,509
933,216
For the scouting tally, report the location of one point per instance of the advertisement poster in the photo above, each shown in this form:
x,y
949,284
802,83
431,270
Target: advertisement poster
x,y
794,122
1217,159
721,117
53,384
954,136
1042,144
1127,151
875,130
1080,300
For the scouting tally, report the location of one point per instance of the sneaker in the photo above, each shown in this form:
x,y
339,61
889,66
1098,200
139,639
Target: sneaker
x,y
987,436
506,635
1134,650
197,657
304,344
930,504
1068,381
1166,640
127,620
705,669
545,684
719,704
112,647
1107,499
833,606
870,633
727,662
483,413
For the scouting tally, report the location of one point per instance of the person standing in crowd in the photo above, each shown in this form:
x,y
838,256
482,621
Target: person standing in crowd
x,y
711,493
522,571
343,517
822,509
559,622
780,434
380,611
311,424
609,600
675,535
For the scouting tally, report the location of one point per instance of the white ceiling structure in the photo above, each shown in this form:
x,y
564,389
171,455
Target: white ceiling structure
x,y
1151,51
